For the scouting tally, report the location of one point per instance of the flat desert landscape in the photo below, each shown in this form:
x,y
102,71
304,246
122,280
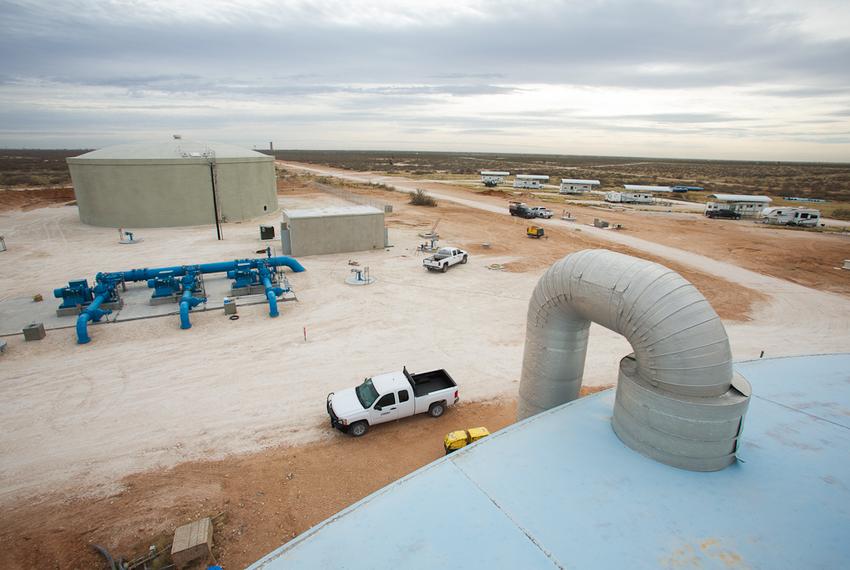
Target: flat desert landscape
x,y
119,441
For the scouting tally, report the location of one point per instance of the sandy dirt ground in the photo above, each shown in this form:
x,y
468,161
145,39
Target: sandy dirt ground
x,y
31,198
95,439
267,498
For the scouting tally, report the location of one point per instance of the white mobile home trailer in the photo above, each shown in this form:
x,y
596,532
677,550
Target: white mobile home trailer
x,y
746,206
533,181
785,216
629,197
493,177
577,186
644,188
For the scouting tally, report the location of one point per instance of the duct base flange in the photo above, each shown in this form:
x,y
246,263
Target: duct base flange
x,y
690,432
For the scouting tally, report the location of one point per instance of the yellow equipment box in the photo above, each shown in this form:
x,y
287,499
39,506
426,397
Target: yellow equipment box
x,y
535,232
461,438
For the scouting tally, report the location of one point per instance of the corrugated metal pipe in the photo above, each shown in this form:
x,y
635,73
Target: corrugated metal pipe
x,y
678,399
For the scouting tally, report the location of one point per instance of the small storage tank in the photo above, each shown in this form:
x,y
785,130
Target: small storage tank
x,y
170,183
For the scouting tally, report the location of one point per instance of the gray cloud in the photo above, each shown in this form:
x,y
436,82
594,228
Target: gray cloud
x,y
694,43
685,118
805,92
99,69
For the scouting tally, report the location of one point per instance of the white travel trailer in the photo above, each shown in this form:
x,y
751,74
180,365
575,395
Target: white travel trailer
x,y
744,206
629,197
646,188
786,216
533,181
577,186
492,178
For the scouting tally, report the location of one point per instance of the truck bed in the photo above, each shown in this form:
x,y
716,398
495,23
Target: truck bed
x,y
428,382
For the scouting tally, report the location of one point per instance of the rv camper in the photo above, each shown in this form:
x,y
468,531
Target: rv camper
x,y
785,216
533,181
629,197
577,186
492,178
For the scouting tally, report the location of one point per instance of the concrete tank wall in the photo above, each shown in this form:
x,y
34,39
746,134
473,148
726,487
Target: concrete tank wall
x,y
140,193
333,233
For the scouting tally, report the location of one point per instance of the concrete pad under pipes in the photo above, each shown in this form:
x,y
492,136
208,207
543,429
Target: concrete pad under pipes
x,y
18,312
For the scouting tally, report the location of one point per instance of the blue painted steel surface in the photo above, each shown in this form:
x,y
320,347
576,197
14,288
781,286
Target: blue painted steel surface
x,y
576,497
243,277
187,300
272,291
164,285
415,524
104,293
218,267
77,293
165,282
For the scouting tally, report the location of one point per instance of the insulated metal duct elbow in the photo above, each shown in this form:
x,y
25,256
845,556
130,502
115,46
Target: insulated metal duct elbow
x,y
678,399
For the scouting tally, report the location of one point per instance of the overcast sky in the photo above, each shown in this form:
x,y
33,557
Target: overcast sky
x,y
740,79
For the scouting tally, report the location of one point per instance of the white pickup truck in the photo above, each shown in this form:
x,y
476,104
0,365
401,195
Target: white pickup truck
x,y
541,212
445,258
391,396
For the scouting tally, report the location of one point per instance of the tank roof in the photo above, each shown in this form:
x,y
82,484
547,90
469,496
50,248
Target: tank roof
x,y
171,149
331,211
646,188
559,490
741,198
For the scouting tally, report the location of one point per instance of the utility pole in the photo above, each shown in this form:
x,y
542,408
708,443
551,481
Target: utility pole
x,y
215,198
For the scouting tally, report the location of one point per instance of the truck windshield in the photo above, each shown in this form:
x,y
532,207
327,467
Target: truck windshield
x,y
366,393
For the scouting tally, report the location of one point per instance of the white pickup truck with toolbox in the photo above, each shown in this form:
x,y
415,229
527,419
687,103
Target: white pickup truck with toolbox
x,y
391,396
445,258
541,212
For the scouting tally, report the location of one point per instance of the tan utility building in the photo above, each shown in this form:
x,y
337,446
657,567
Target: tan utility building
x,y
316,231
164,184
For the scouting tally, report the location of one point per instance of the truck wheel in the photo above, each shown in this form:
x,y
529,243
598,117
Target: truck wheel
x,y
358,428
436,410
444,268
464,260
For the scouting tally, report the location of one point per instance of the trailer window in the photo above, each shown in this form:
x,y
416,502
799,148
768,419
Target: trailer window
x,y
403,396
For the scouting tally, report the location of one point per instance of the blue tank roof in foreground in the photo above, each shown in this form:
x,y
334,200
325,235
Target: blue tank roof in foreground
x,y
559,490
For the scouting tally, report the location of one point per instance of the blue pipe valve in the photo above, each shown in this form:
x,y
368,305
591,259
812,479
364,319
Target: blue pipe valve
x,y
188,300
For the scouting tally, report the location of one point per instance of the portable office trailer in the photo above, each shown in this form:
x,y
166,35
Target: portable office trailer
x,y
629,197
786,216
746,206
533,181
493,177
577,186
646,188
316,231
799,199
